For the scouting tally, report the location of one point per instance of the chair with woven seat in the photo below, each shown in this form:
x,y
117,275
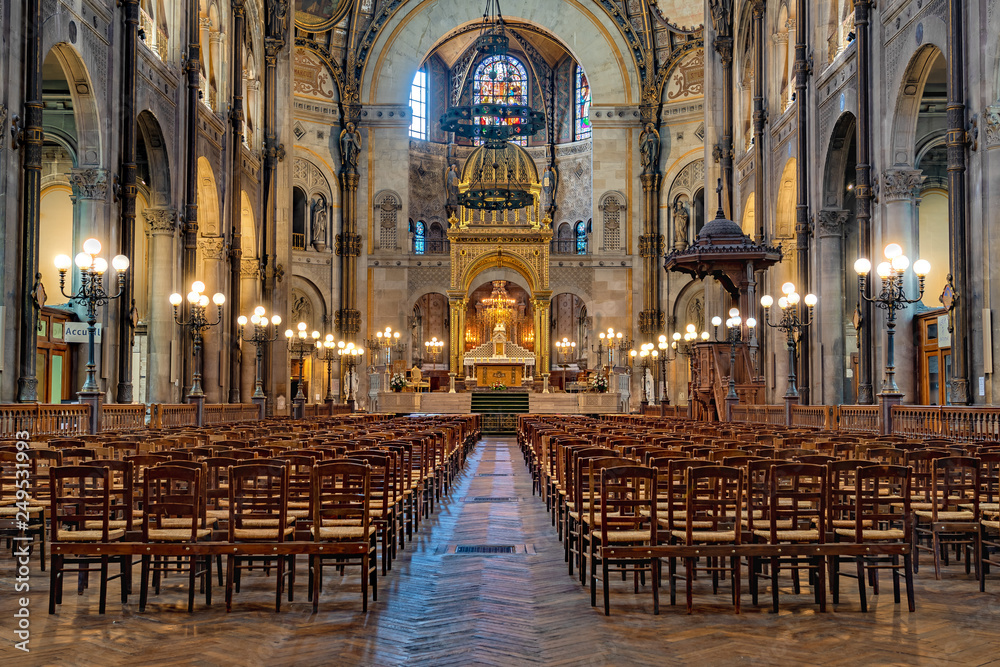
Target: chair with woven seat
x,y
794,513
954,484
32,510
340,513
258,512
81,514
875,522
383,501
627,518
174,513
712,511
989,508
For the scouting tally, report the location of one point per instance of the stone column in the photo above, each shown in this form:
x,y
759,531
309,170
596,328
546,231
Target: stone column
x,y
250,299
901,224
828,325
349,241
650,249
759,8
189,256
542,305
212,255
236,118
458,302
802,226
863,190
722,23
160,228
29,136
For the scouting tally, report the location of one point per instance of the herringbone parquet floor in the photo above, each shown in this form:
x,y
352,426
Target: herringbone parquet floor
x,y
440,609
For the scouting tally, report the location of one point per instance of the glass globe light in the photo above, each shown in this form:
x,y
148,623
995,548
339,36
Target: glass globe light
x,y
340,344
259,311
862,267
900,263
378,334
662,338
120,263
676,336
193,298
601,335
176,299
301,326
704,335
198,286
302,335
690,328
203,301
329,338
921,267
315,335
751,322
242,320
84,261
716,321
767,301
793,298
218,298
92,246
787,288
276,320
100,265
883,270
893,250
783,302
811,300
737,320
63,262
288,333
733,312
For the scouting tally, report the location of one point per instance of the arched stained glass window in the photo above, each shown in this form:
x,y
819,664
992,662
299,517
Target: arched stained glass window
x,y
500,80
581,238
419,238
581,111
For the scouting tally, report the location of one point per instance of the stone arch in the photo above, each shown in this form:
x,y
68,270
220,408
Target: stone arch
x,y
88,145
208,199
685,306
414,29
784,212
903,136
505,263
748,221
306,303
248,227
836,160
158,158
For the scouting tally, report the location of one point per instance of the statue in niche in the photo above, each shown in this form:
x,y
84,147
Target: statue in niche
x,y
451,179
649,147
350,147
681,220
133,322
300,308
319,223
550,182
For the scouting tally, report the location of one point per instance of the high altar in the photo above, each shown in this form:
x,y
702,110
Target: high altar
x,y
505,362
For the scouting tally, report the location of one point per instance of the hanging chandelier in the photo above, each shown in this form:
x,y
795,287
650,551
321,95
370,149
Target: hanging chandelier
x,y
498,175
499,306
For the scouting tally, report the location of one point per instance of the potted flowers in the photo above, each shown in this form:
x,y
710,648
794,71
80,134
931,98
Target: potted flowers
x,y
600,384
498,386
397,382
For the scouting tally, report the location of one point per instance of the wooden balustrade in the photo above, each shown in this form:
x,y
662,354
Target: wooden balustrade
x,y
228,413
123,417
43,419
168,416
814,416
863,418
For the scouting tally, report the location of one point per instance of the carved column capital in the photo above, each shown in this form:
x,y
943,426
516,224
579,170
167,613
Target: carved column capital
x,y
89,183
212,247
250,268
830,222
900,184
991,125
160,221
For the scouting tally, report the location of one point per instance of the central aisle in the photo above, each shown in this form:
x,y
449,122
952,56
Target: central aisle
x,y
447,609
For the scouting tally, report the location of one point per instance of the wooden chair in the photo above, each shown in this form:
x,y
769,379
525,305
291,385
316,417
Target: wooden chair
x,y
81,513
383,492
954,483
340,513
27,520
876,523
713,507
795,514
174,513
989,508
258,512
628,518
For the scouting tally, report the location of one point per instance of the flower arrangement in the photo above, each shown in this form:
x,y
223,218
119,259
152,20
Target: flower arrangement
x,y
600,384
397,382
498,386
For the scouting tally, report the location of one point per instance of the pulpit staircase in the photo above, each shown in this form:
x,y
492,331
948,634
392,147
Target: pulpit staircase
x,y
710,380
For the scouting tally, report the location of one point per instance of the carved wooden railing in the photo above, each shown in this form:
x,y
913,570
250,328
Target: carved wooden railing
x,y
172,416
859,418
741,413
814,416
962,423
43,419
124,417
228,413
916,420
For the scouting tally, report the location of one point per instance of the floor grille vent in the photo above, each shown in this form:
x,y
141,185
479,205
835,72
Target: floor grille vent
x,y
493,499
495,474
485,549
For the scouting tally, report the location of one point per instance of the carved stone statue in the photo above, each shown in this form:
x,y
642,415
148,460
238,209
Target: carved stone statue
x,y
649,147
550,182
319,224
350,147
451,180
133,322
681,220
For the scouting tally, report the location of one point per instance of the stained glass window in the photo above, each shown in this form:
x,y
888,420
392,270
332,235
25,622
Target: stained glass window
x,y
500,80
418,104
581,238
581,111
419,238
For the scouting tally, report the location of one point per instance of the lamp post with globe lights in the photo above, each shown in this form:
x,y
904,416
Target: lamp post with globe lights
x,y
565,348
734,336
433,348
303,344
326,350
791,325
891,298
197,323
92,294
259,338
349,354
684,345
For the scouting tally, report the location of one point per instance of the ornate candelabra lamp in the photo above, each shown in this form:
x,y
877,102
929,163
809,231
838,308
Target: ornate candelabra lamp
x,y
565,348
259,338
734,336
891,298
198,323
92,295
326,351
304,345
349,355
434,348
790,324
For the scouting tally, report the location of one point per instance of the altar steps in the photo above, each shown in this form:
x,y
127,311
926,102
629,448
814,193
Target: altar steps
x,y
500,410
